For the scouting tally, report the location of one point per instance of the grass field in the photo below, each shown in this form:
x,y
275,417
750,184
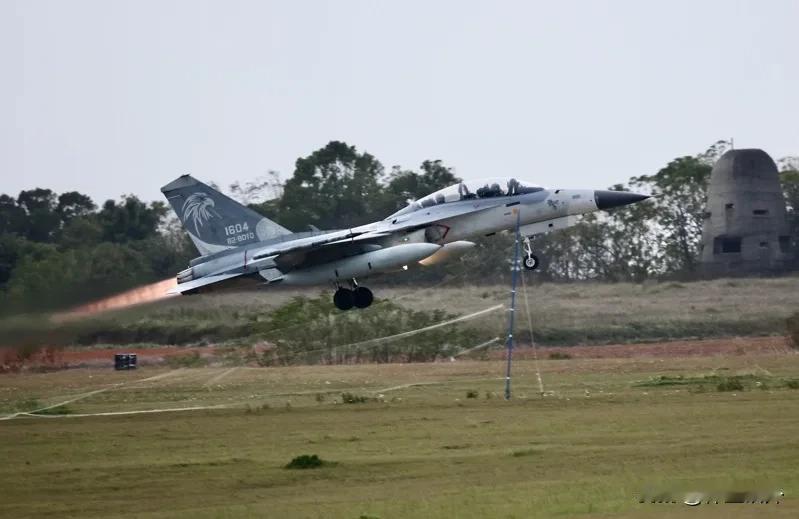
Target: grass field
x,y
418,447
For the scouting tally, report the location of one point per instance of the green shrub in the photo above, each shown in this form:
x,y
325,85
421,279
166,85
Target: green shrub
x,y
256,409
311,330
792,384
55,411
26,406
668,380
523,452
306,462
351,398
472,393
31,404
730,384
699,384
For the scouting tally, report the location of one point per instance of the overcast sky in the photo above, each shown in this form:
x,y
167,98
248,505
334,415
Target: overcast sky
x,y
110,97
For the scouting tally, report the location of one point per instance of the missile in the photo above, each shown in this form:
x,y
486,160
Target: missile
x,y
362,264
446,252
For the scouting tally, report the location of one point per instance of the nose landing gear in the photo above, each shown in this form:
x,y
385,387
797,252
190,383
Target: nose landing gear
x,y
357,296
530,261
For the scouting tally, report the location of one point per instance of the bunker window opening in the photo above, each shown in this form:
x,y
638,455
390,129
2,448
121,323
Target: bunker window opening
x,y
730,244
785,244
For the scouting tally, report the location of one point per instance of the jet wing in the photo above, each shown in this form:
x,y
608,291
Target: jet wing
x,y
284,255
362,237
306,244
201,282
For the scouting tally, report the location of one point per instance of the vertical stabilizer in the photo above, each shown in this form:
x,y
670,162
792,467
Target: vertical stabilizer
x,y
216,222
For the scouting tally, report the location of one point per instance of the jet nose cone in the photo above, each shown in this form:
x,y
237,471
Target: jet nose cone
x,y
611,199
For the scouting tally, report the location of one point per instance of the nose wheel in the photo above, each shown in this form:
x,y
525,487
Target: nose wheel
x,y
530,261
357,296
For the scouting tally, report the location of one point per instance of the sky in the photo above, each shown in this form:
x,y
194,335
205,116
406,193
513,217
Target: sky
x,y
110,97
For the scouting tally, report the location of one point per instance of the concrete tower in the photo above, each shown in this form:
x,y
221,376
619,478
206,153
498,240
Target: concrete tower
x,y
745,229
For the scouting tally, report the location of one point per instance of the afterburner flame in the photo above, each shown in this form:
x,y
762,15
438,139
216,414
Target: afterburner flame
x,y
135,296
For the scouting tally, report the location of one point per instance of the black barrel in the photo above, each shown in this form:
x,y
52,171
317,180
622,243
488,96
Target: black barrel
x,y
124,361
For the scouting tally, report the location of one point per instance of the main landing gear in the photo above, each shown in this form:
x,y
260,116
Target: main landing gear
x,y
357,296
530,261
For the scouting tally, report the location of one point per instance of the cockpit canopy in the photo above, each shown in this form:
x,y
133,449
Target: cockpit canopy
x,y
473,189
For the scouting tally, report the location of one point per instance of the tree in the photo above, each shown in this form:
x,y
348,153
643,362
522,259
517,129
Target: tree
x,y
81,231
789,178
680,191
42,220
166,254
13,219
9,253
262,195
333,187
630,248
260,190
73,204
131,219
47,278
404,185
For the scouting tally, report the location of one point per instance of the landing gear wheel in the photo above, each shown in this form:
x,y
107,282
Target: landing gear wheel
x,y
362,297
344,299
531,262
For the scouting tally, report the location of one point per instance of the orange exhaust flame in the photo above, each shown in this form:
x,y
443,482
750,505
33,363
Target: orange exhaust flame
x,y
135,296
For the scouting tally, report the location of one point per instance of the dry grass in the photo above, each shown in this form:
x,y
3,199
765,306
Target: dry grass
x,y
562,314
600,301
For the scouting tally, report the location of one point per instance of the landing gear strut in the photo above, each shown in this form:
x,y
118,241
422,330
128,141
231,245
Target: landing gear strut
x,y
530,260
357,296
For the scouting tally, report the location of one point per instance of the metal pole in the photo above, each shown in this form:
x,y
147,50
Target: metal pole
x,y
514,276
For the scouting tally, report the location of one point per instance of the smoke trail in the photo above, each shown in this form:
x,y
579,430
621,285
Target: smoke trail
x,y
135,296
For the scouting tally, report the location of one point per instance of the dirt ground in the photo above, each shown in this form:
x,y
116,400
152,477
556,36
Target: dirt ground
x,y
700,348
55,358
91,357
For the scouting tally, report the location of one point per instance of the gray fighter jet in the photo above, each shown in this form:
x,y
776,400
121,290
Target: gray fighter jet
x,y
237,244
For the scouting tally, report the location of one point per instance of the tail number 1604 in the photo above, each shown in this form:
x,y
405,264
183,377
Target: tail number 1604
x,y
238,228
238,232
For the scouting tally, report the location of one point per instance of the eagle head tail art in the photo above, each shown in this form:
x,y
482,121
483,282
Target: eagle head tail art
x,y
198,209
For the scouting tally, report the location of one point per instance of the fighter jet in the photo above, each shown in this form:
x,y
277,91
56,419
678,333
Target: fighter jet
x,y
237,244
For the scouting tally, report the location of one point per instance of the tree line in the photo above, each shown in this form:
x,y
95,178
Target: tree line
x,y
59,249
